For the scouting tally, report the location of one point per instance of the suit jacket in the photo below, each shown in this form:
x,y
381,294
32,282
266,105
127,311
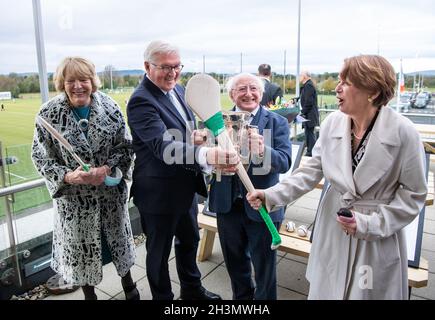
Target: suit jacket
x,y
387,191
277,155
308,102
271,92
166,175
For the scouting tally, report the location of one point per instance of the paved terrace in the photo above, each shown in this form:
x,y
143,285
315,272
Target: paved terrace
x,y
292,284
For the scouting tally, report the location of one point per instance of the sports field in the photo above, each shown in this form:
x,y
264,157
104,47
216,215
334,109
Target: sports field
x,y
17,121
16,133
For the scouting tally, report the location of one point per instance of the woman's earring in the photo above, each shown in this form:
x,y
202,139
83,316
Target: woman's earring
x,y
370,99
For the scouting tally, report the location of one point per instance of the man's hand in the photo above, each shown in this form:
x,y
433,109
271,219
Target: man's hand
x,y
199,137
256,142
221,159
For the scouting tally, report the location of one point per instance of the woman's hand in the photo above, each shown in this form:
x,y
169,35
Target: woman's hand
x,y
347,224
256,198
98,175
95,176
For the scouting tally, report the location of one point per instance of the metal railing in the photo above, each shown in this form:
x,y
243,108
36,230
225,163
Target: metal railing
x,y
4,192
10,191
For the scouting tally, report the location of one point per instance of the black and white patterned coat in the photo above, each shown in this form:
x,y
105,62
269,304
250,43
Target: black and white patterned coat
x,y
82,212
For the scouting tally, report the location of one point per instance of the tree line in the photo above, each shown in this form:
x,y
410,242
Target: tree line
x,y
19,84
111,79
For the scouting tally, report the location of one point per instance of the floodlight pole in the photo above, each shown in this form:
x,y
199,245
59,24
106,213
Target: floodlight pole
x,y
298,54
40,49
283,81
111,78
203,63
241,62
379,47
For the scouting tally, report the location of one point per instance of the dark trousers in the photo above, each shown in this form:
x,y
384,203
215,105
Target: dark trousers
x,y
160,231
310,138
244,241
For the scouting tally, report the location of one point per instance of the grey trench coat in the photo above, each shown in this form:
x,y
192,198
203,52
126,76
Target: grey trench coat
x,y
386,191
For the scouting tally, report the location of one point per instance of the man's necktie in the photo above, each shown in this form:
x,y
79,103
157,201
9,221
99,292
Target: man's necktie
x,y
251,117
179,107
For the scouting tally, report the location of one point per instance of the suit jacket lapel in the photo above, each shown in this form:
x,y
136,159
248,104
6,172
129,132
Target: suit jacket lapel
x,y
261,119
189,112
163,99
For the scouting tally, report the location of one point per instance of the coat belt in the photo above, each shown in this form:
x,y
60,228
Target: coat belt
x,y
349,200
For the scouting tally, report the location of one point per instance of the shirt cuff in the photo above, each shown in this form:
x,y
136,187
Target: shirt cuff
x,y
202,160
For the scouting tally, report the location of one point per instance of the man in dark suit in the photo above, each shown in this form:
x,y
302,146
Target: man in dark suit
x,y
167,173
271,90
243,235
310,111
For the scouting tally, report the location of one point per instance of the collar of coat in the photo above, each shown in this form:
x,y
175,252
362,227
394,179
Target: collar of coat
x,y
380,152
86,147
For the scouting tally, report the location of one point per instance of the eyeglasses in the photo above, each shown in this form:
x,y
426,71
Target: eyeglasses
x,y
167,69
71,82
244,89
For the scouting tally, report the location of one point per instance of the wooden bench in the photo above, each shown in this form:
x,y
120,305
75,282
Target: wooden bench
x,y
293,244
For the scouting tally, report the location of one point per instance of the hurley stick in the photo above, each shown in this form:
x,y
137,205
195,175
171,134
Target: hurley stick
x,y
203,96
55,134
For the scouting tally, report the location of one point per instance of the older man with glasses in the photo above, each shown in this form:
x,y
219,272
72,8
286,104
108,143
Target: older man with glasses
x,y
243,235
168,173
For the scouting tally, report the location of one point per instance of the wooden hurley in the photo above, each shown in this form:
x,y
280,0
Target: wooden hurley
x,y
203,96
55,134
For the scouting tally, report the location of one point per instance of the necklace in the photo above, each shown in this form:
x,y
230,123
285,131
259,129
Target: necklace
x,y
82,119
358,137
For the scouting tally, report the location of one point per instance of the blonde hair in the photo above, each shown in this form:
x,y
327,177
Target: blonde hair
x,y
372,73
75,67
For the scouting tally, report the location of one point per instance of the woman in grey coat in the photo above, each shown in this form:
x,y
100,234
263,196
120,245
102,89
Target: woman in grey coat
x,y
88,212
374,160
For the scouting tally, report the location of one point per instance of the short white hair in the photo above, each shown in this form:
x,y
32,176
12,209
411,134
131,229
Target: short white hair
x,y
233,81
159,47
306,73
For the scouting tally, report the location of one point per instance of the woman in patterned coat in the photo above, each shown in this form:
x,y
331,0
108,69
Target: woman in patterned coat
x,y
89,214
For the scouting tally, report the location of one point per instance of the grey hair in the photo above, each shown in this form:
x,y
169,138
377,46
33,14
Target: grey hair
x,y
306,73
232,82
158,47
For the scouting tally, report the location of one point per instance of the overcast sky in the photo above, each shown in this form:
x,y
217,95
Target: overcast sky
x,y
116,32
